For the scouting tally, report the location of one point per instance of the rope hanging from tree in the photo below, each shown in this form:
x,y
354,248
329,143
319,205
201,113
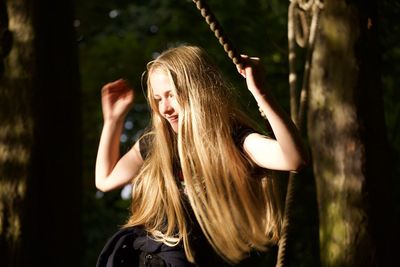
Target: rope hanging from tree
x,y
218,32
303,32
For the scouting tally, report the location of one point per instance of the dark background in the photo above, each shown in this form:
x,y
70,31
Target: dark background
x,y
117,38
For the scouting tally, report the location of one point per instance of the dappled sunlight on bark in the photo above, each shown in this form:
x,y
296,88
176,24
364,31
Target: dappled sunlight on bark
x,y
15,148
16,131
338,149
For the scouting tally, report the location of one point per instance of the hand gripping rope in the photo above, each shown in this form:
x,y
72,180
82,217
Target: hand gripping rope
x,y
304,33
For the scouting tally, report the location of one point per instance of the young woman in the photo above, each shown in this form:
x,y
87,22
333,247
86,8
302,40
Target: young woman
x,y
200,190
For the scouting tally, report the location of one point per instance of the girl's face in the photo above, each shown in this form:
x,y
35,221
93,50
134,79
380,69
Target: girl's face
x,y
164,96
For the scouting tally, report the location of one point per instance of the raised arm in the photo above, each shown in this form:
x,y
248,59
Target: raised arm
x,y
111,170
287,151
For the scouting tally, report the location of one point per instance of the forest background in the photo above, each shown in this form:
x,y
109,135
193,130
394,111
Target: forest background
x,y
115,39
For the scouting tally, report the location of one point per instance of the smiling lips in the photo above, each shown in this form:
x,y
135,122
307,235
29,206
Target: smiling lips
x,y
172,119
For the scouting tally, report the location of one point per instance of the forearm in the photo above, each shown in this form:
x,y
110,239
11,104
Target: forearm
x,y
284,129
287,152
108,152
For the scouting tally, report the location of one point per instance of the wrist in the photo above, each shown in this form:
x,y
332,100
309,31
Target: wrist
x,y
262,97
113,122
265,103
258,92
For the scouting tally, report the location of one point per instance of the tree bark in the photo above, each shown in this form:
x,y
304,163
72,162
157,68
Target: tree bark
x,y
40,137
16,126
345,119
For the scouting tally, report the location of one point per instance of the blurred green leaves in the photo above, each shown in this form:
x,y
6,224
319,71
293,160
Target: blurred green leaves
x,y
117,38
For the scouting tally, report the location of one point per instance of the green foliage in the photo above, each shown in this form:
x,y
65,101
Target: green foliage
x,y
390,32
120,47
116,39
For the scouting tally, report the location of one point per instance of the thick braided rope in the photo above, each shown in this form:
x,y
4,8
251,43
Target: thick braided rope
x,y
218,32
297,112
283,242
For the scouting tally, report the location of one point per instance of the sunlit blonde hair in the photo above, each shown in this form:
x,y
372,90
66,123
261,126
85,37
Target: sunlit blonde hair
x,y
236,209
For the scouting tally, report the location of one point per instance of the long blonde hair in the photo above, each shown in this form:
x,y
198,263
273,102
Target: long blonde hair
x,y
235,210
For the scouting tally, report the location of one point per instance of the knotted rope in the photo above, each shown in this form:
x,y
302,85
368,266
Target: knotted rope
x,y
302,32
298,32
218,32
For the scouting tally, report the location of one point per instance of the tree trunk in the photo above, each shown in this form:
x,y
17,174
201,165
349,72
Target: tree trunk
x,y
16,126
347,137
40,137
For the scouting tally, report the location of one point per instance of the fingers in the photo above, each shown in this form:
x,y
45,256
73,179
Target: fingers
x,y
248,62
119,84
246,58
241,71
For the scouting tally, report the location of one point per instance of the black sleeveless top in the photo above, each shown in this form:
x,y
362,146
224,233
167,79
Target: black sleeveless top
x,y
204,253
239,134
133,246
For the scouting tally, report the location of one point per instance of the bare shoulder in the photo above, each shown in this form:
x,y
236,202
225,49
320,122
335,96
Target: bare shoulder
x,y
262,150
255,141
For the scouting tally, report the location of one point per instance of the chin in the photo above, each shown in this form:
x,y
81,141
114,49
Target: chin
x,y
174,127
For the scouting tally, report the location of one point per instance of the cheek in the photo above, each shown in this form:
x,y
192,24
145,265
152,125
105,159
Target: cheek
x,y
176,106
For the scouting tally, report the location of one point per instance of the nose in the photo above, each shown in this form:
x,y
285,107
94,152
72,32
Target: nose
x,y
165,107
